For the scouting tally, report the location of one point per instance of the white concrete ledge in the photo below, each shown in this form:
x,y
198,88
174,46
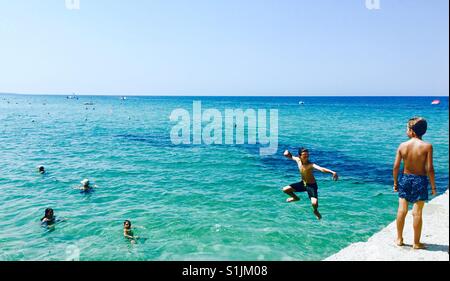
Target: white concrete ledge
x,y
381,246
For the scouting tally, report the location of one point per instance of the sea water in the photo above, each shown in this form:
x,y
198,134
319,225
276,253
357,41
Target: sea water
x,y
199,202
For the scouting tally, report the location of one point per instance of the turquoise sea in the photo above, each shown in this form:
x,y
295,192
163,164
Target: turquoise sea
x,y
199,202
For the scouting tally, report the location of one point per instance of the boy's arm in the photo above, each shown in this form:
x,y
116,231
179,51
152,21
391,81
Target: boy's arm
x,y
325,170
288,155
396,168
430,170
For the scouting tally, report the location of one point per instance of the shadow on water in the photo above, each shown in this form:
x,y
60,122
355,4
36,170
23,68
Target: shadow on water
x,y
359,170
155,140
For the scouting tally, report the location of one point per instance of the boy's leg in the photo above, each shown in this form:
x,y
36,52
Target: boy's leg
x,y
290,191
315,205
417,224
401,215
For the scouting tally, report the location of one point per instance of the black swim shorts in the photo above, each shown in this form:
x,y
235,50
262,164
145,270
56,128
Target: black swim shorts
x,y
311,188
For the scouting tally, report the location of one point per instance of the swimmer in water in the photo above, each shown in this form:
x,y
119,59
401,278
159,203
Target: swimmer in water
x,y
128,232
308,182
41,169
85,186
49,218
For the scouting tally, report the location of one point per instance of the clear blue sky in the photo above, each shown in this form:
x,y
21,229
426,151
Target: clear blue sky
x,y
225,47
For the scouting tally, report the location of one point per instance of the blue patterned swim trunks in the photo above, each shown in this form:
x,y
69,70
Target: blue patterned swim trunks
x,y
413,188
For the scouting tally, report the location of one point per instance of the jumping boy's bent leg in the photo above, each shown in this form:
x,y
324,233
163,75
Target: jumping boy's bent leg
x,y
401,215
417,224
315,205
290,191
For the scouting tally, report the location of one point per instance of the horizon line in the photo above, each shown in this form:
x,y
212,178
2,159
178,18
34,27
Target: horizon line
x,y
202,95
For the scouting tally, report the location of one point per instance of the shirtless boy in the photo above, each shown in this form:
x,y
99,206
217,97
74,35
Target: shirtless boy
x,y
308,182
412,186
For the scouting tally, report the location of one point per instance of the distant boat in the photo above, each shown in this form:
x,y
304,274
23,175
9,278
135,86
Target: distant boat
x,y
88,103
436,102
123,98
73,96
300,102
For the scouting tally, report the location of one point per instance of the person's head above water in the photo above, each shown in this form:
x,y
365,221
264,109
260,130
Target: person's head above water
x,y
85,183
417,127
48,214
41,169
303,153
127,224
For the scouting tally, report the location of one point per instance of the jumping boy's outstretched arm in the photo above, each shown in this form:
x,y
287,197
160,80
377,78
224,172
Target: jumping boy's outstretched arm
x,y
430,169
396,169
325,170
288,155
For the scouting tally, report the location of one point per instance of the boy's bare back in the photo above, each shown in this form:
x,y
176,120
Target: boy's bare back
x,y
416,155
418,172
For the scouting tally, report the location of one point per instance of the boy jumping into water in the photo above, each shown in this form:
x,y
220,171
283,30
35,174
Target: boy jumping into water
x,y
412,187
308,182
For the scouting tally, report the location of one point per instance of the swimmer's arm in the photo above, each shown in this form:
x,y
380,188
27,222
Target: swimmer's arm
x,y
396,168
325,170
430,170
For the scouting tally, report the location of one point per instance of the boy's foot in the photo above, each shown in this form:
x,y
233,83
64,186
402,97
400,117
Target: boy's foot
x,y
399,242
291,199
318,215
419,246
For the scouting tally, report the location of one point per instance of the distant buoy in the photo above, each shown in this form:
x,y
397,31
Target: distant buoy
x,y
436,102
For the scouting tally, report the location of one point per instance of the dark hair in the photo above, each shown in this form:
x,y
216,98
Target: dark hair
x,y
418,125
127,221
47,212
301,150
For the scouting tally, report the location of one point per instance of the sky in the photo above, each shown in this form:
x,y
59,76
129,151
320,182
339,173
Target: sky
x,y
225,47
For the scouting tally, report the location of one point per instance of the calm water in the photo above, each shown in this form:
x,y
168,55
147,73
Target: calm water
x,y
198,202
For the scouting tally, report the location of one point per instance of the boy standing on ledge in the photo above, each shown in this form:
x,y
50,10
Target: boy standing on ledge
x,y
412,187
